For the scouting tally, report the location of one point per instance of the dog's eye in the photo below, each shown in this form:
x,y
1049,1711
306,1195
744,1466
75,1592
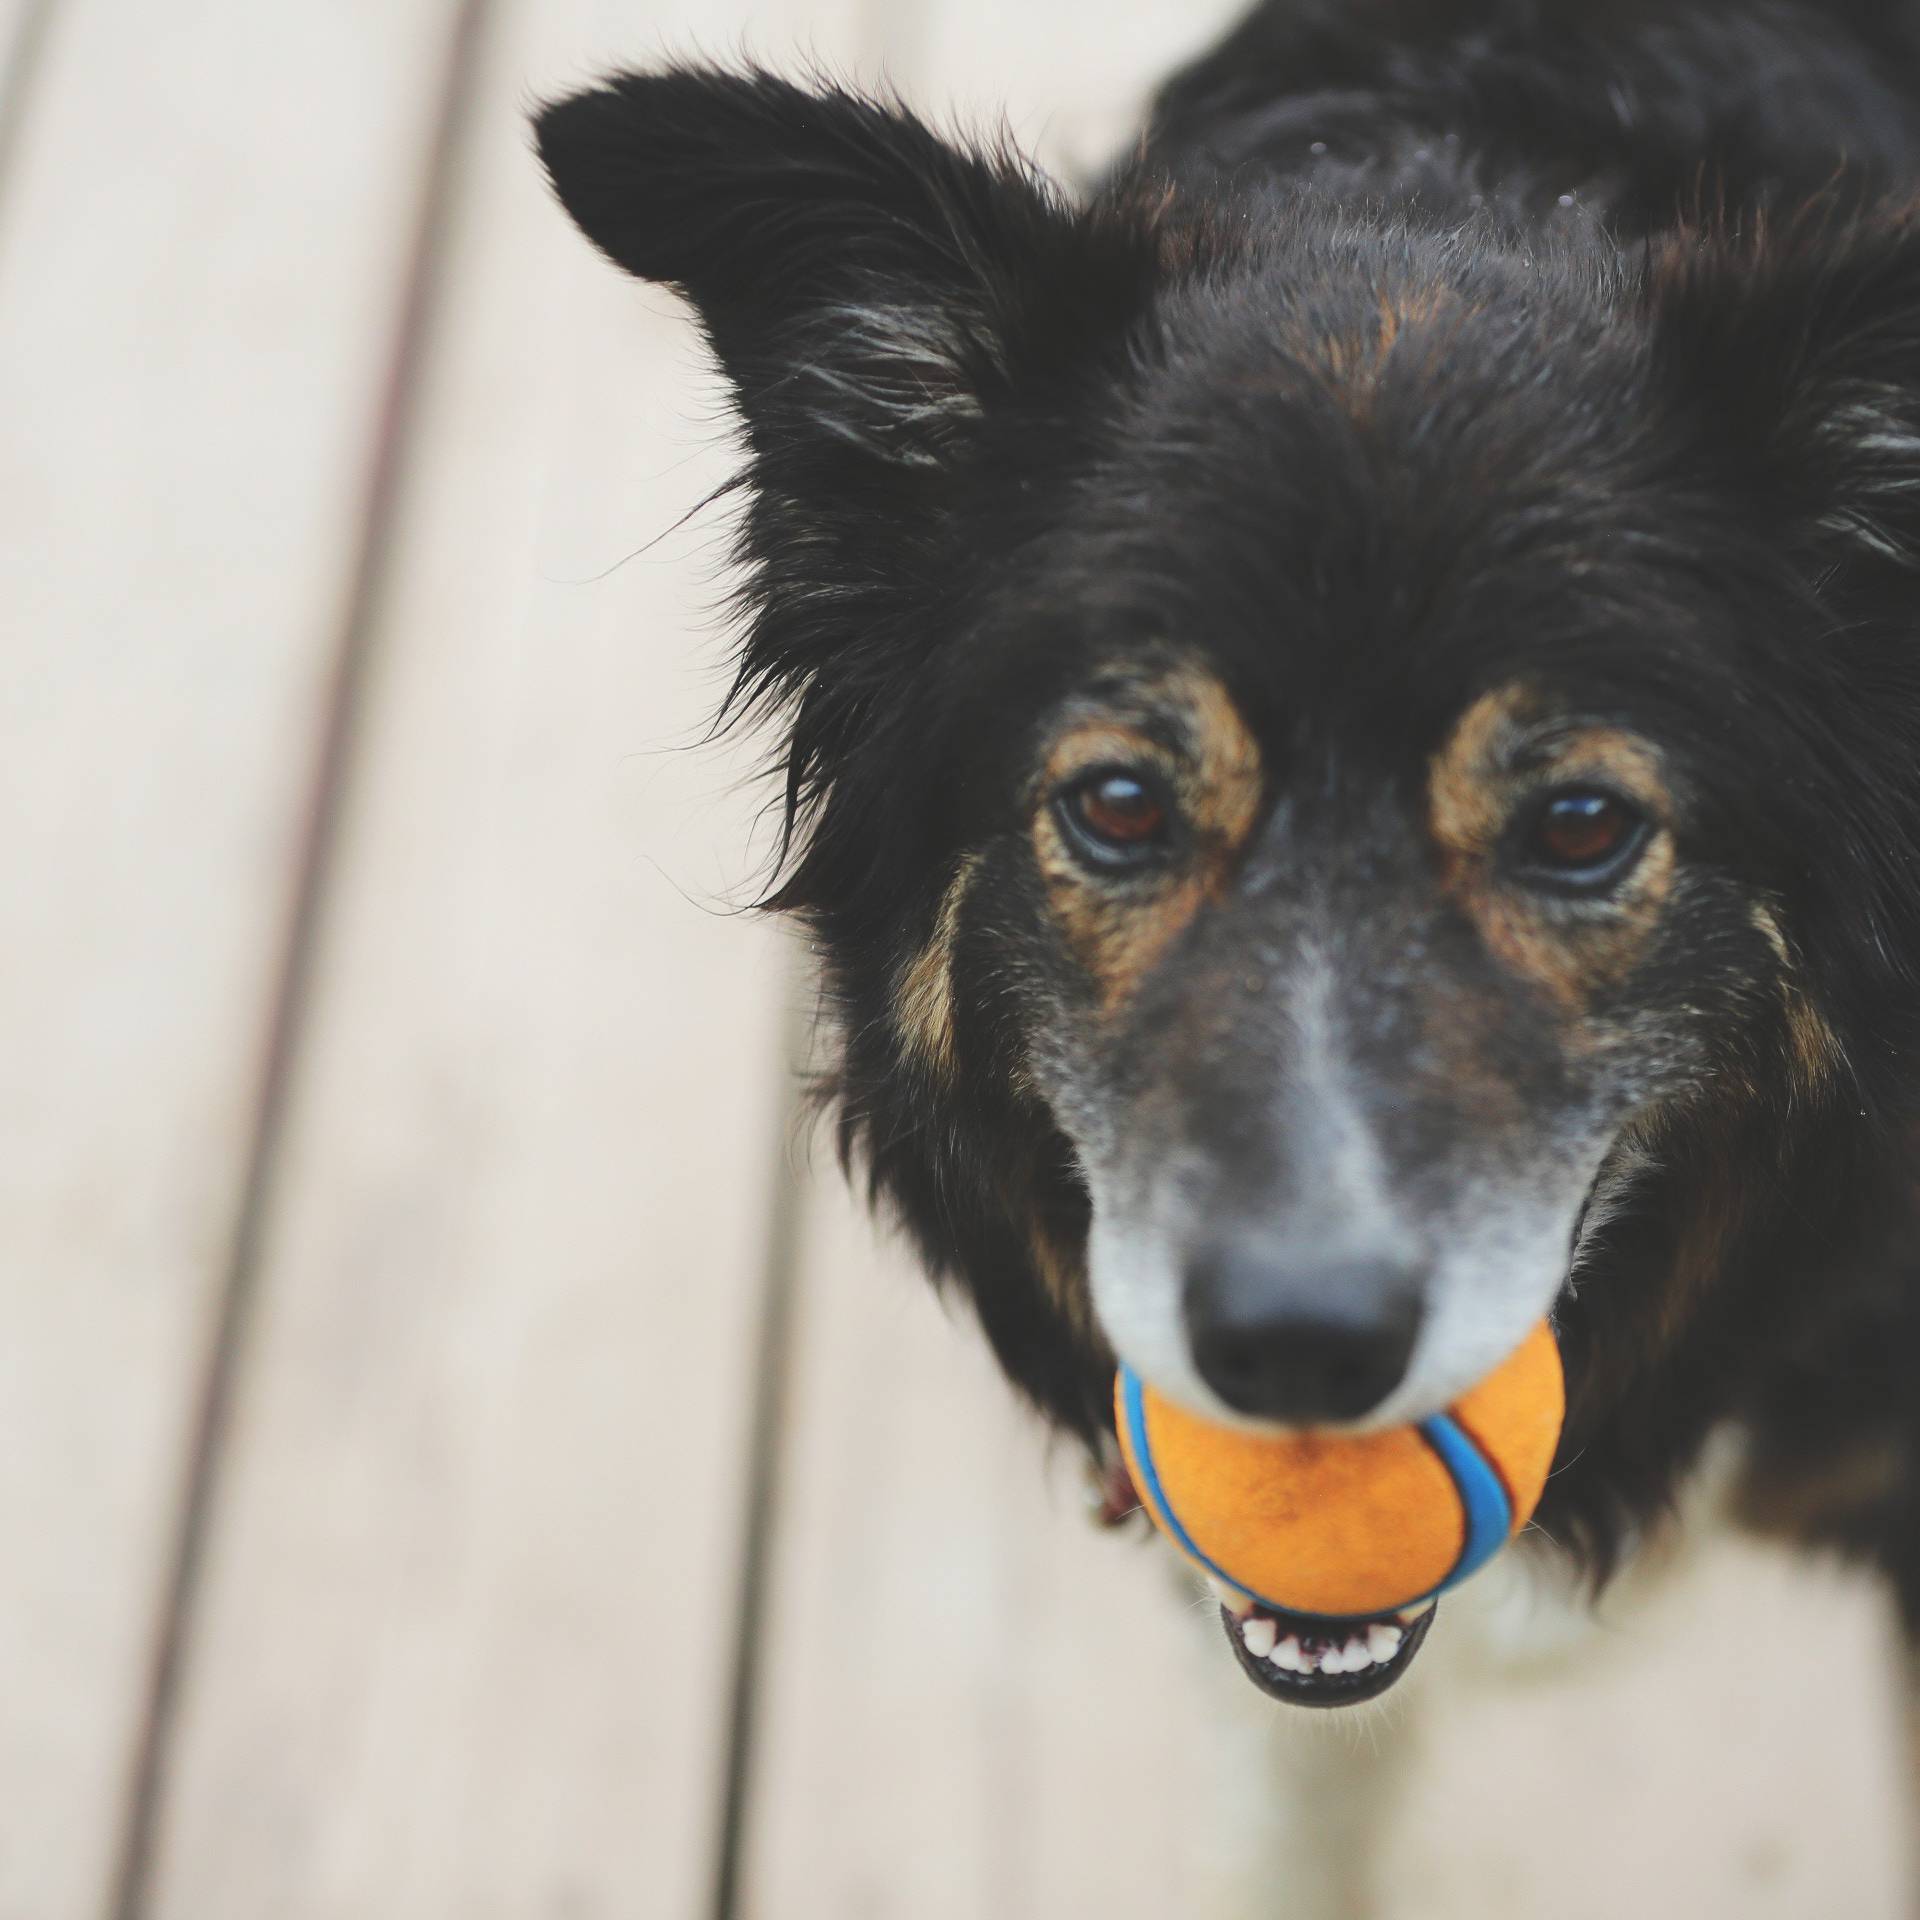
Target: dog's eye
x,y
1581,838
1115,818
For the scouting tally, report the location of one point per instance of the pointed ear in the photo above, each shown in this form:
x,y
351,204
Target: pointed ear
x,y
1798,347
877,298
861,281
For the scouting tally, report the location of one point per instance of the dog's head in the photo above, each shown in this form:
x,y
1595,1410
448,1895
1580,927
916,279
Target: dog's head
x,y
1321,748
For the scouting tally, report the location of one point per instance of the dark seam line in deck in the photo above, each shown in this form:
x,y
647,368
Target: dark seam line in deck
x,y
771,1390
144,1804
20,68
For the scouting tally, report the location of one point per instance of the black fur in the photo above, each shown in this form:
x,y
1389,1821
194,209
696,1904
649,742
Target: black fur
x,y
997,442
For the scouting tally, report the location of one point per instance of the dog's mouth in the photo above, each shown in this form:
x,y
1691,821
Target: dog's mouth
x,y
1305,1659
1312,1662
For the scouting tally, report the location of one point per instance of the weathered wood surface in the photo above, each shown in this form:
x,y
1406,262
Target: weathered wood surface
x,y
461,1641
203,231
463,1647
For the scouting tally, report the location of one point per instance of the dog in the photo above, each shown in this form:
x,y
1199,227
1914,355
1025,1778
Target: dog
x,y
1351,718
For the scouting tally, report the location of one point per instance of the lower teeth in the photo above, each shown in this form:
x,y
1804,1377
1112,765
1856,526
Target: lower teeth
x,y
1376,1645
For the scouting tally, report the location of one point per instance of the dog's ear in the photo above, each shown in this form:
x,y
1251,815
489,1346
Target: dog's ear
x,y
877,298
862,281
1798,348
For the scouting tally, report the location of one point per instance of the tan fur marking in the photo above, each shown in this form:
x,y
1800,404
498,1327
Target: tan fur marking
x,y
1063,1273
1612,946
1416,307
1119,940
1094,743
1356,361
1517,939
1390,317
1475,784
1707,1234
1467,812
923,1003
1120,932
1817,1056
1788,1498
1620,759
1222,800
1766,923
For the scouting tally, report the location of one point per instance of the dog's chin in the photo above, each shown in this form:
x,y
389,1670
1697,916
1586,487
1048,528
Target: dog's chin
x,y
1307,1661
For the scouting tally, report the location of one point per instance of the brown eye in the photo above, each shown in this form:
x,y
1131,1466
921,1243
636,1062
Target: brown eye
x,y
1115,818
1582,838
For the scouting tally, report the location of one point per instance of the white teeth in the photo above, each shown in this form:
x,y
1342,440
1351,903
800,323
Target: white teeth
x,y
1408,1615
1372,1645
1236,1603
1350,1656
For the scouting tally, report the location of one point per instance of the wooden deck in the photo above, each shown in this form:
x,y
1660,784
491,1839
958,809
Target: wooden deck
x,y
426,1327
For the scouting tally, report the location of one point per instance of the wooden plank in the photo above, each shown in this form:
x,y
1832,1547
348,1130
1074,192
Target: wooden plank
x,y
21,23
464,1643
976,1704
1728,1743
23,29
194,316
975,1701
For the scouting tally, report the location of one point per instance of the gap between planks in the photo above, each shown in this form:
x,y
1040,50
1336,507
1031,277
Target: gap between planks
x,y
314,865
24,29
769,1411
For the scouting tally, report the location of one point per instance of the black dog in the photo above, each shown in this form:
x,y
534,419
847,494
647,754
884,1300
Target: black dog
x,y
1354,705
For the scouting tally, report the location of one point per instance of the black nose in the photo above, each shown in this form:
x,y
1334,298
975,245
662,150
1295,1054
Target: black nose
x,y
1299,1339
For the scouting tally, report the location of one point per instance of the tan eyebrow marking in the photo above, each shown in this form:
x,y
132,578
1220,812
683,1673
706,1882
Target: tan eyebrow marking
x,y
1465,809
1225,801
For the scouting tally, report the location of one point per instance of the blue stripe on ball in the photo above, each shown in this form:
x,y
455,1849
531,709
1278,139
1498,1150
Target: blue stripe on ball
x,y
1483,1499
1135,1403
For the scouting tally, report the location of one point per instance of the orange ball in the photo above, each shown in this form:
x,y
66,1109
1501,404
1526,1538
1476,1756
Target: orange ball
x,y
1349,1524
